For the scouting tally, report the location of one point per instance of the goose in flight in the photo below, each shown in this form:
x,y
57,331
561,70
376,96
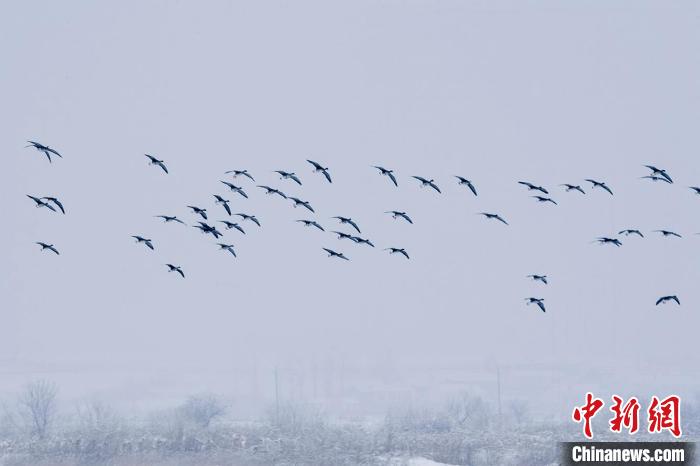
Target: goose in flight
x,y
269,190
169,218
665,299
425,182
299,202
599,184
227,247
397,251
147,242
605,240
573,187
251,218
50,247
467,183
45,149
342,235
545,199
631,232
175,268
311,223
223,202
695,189
539,278
155,161
348,221
659,172
206,228
230,225
235,188
40,203
396,214
668,233
237,173
533,187
320,168
359,240
538,301
493,217
386,172
332,253
289,175
197,210
656,178
55,201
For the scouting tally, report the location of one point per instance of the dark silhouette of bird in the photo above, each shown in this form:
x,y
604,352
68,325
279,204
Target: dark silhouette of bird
x,y
311,223
155,161
668,233
467,183
206,228
544,199
45,149
631,232
348,221
396,214
332,253
230,225
656,178
40,203
573,187
605,240
175,268
50,247
170,218
269,190
147,242
397,251
197,210
359,240
538,301
533,187
659,172
235,188
320,168
251,218
289,175
223,202
227,247
599,184
493,217
57,202
237,173
539,278
665,299
299,202
386,172
342,235
695,189
425,182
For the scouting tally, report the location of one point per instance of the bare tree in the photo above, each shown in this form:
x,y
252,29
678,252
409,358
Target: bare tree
x,y
37,405
202,409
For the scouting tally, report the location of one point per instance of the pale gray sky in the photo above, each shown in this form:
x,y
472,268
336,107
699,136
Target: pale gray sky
x,y
550,92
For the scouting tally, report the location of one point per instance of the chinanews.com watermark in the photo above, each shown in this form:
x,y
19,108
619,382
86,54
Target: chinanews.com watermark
x,y
661,415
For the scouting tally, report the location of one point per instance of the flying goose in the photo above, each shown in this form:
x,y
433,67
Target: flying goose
x,y
668,233
631,232
342,235
538,301
299,202
493,217
175,268
289,175
332,253
45,149
230,225
269,190
50,247
311,223
155,161
227,247
397,251
235,188
541,278
599,184
656,178
348,221
660,172
665,299
197,210
386,172
533,187
206,228
223,202
573,187
320,168
41,203
237,173
252,218
695,189
55,201
359,240
169,218
605,240
425,182
145,241
545,199
467,183
396,214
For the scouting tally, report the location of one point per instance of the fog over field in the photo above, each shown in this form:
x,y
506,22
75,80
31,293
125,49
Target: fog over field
x,y
499,92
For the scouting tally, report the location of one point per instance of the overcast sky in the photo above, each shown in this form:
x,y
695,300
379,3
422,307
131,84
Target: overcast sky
x,y
550,92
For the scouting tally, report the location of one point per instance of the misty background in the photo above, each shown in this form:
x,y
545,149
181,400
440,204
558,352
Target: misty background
x,y
548,92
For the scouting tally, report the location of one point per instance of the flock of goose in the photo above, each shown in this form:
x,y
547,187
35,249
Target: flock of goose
x,y
202,216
